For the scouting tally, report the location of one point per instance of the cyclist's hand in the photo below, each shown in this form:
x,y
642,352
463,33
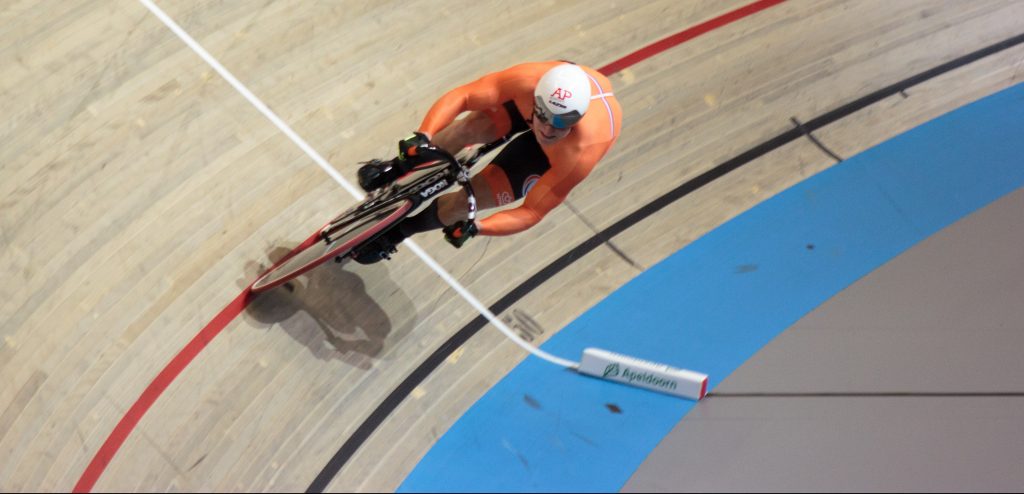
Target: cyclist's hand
x,y
409,147
460,232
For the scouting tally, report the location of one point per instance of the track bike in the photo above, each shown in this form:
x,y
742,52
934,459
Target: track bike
x,y
382,210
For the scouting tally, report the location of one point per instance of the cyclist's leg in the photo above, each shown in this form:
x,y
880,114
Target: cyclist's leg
x,y
476,128
491,188
480,127
508,178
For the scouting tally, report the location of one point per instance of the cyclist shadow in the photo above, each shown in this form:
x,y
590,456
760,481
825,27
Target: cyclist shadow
x,y
353,326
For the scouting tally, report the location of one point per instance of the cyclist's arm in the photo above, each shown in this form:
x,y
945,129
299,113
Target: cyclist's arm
x,y
489,91
552,188
541,200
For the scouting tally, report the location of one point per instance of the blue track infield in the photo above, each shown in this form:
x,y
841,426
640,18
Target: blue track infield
x,y
712,305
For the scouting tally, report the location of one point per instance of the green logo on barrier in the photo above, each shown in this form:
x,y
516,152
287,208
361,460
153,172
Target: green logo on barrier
x,y
634,377
611,371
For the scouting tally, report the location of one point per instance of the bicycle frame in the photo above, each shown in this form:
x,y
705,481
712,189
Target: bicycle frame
x,y
381,211
426,181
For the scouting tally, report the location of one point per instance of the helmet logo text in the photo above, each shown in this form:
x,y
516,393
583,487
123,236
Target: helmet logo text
x,y
562,94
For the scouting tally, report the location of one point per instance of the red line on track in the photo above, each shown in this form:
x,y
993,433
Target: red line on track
x,y
149,396
164,379
686,35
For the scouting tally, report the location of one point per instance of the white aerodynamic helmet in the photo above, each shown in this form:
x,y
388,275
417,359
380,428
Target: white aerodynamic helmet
x,y
562,96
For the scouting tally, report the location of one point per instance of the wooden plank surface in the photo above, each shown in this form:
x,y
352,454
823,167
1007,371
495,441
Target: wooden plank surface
x,y
139,193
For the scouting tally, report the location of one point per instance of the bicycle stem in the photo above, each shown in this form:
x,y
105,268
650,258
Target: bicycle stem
x,y
470,196
461,176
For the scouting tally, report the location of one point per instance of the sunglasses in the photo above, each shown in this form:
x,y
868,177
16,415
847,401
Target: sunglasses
x,y
563,121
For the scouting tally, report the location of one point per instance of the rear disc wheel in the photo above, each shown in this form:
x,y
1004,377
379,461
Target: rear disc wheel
x,y
301,260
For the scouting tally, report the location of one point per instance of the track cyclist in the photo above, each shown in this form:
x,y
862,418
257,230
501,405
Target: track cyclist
x,y
574,118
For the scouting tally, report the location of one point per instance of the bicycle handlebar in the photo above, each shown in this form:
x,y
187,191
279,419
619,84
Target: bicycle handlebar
x,y
462,170
461,173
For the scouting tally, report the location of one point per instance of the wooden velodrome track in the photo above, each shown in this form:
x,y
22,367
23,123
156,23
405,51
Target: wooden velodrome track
x,y
140,194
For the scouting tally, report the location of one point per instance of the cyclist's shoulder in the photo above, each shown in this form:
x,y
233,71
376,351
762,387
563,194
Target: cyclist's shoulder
x,y
569,150
599,127
584,147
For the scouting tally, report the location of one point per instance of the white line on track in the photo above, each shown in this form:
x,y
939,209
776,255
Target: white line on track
x,y
319,160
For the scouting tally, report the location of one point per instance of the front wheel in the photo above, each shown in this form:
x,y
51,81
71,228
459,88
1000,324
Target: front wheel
x,y
358,231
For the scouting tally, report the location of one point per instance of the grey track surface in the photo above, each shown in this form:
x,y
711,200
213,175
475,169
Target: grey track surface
x,y
945,318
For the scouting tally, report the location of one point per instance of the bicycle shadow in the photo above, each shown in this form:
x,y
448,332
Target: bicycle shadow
x,y
353,326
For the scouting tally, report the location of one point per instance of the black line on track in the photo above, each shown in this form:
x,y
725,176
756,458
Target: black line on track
x,y
366,429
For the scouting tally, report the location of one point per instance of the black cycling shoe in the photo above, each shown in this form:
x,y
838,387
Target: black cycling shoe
x,y
373,253
375,174
379,249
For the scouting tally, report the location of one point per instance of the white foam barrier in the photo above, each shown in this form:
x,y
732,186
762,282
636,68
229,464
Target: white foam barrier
x,y
644,374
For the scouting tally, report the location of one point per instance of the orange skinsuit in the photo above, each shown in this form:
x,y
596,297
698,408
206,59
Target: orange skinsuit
x,y
571,158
